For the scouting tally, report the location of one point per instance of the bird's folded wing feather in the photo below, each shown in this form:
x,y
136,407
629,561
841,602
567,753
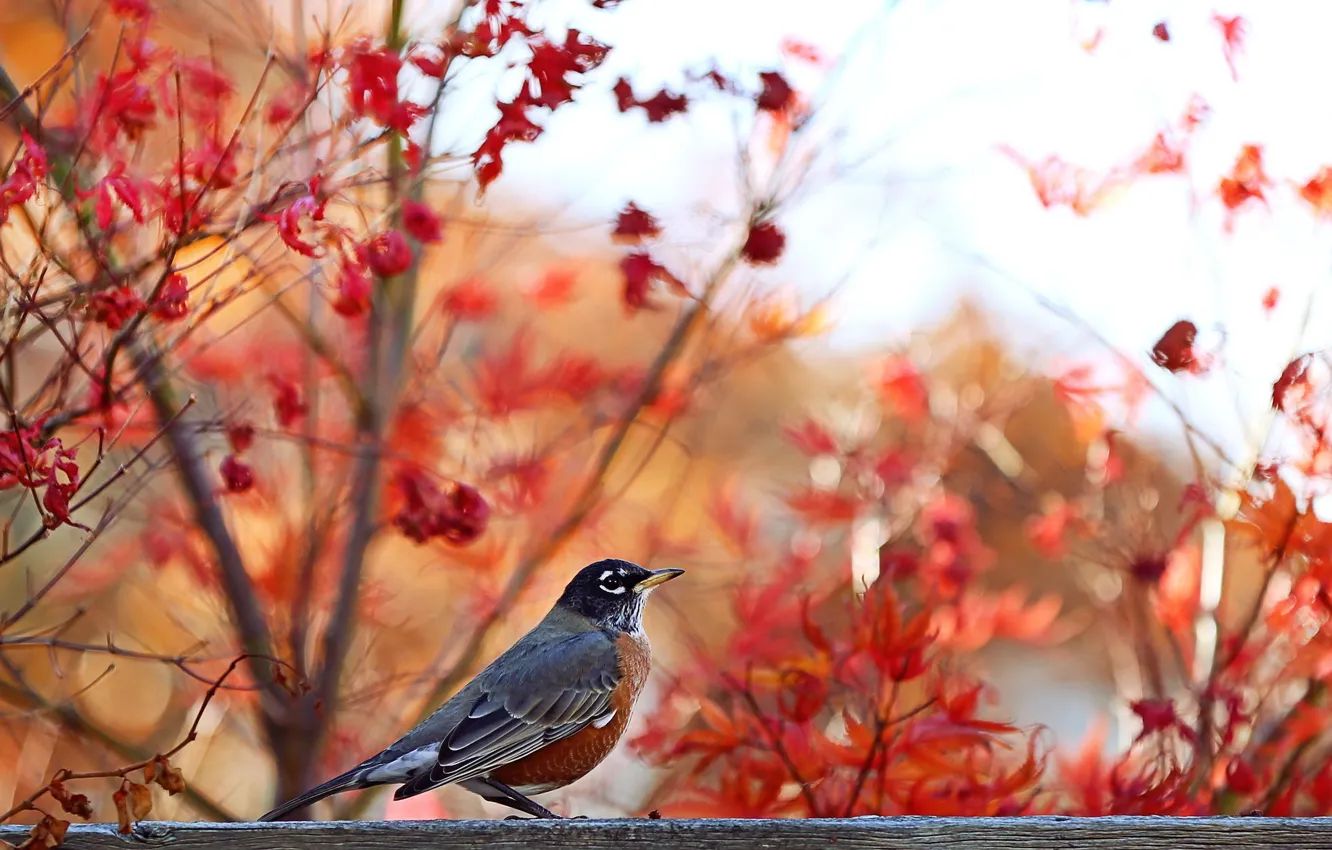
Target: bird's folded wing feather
x,y
546,693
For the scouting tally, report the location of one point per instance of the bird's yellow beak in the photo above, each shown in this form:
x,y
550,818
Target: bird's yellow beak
x,y
655,578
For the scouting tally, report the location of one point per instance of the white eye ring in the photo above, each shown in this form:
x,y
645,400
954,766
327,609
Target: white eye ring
x,y
615,590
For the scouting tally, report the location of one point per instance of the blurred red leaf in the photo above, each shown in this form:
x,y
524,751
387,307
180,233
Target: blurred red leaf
x,y
1174,350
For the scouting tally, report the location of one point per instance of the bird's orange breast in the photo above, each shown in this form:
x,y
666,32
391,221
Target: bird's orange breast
x,y
565,761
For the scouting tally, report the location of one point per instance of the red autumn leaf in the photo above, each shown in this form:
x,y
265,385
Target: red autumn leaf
x,y
1060,183
236,475
802,696
764,244
801,50
658,108
1269,522
573,376
1270,299
240,436
458,514
173,301
821,507
287,402
471,300
1291,387
114,307
528,480
421,223
115,186
514,125
1233,31
1318,191
387,253
431,64
777,94
903,388
1049,531
1240,777
553,289
289,224
355,290
504,380
633,225
1148,566
1165,155
1158,715
131,10
640,271
1246,179
811,438
1174,350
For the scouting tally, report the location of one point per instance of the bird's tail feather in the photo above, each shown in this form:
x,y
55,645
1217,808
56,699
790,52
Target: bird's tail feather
x,y
346,782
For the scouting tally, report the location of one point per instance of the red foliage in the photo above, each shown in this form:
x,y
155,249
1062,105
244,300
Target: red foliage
x,y
387,253
471,300
634,225
640,271
657,108
777,94
1318,191
355,290
1174,350
1270,299
421,223
1245,181
457,514
1233,31
236,475
764,244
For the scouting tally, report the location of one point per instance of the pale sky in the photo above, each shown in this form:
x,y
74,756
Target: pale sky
x,y
925,208
912,204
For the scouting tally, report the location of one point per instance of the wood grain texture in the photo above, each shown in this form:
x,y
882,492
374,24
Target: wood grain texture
x,y
1037,833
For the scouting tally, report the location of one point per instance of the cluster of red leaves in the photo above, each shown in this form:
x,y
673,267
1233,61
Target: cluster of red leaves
x,y
842,695
33,462
554,73
28,173
831,698
458,513
1245,738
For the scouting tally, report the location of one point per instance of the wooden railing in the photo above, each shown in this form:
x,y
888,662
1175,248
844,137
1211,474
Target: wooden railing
x,y
911,833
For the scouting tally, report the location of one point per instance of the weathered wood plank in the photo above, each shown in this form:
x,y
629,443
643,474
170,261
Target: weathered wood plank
x,y
912,833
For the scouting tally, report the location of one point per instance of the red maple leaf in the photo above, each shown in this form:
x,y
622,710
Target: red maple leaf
x,y
1246,180
777,94
640,271
1318,191
1233,32
633,225
658,108
1174,350
764,244
1294,379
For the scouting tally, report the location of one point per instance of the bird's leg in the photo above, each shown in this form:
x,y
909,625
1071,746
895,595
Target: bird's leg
x,y
506,796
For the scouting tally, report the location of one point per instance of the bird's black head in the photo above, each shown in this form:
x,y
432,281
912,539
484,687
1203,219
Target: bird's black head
x,y
611,593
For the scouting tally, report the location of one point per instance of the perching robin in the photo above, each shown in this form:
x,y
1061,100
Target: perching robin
x,y
541,716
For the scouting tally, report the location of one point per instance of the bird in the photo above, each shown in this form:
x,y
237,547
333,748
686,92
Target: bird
x,y
541,715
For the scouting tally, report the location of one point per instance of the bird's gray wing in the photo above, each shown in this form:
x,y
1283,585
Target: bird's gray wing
x,y
541,691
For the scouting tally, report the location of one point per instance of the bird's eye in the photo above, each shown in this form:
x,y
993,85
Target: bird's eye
x,y
612,583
